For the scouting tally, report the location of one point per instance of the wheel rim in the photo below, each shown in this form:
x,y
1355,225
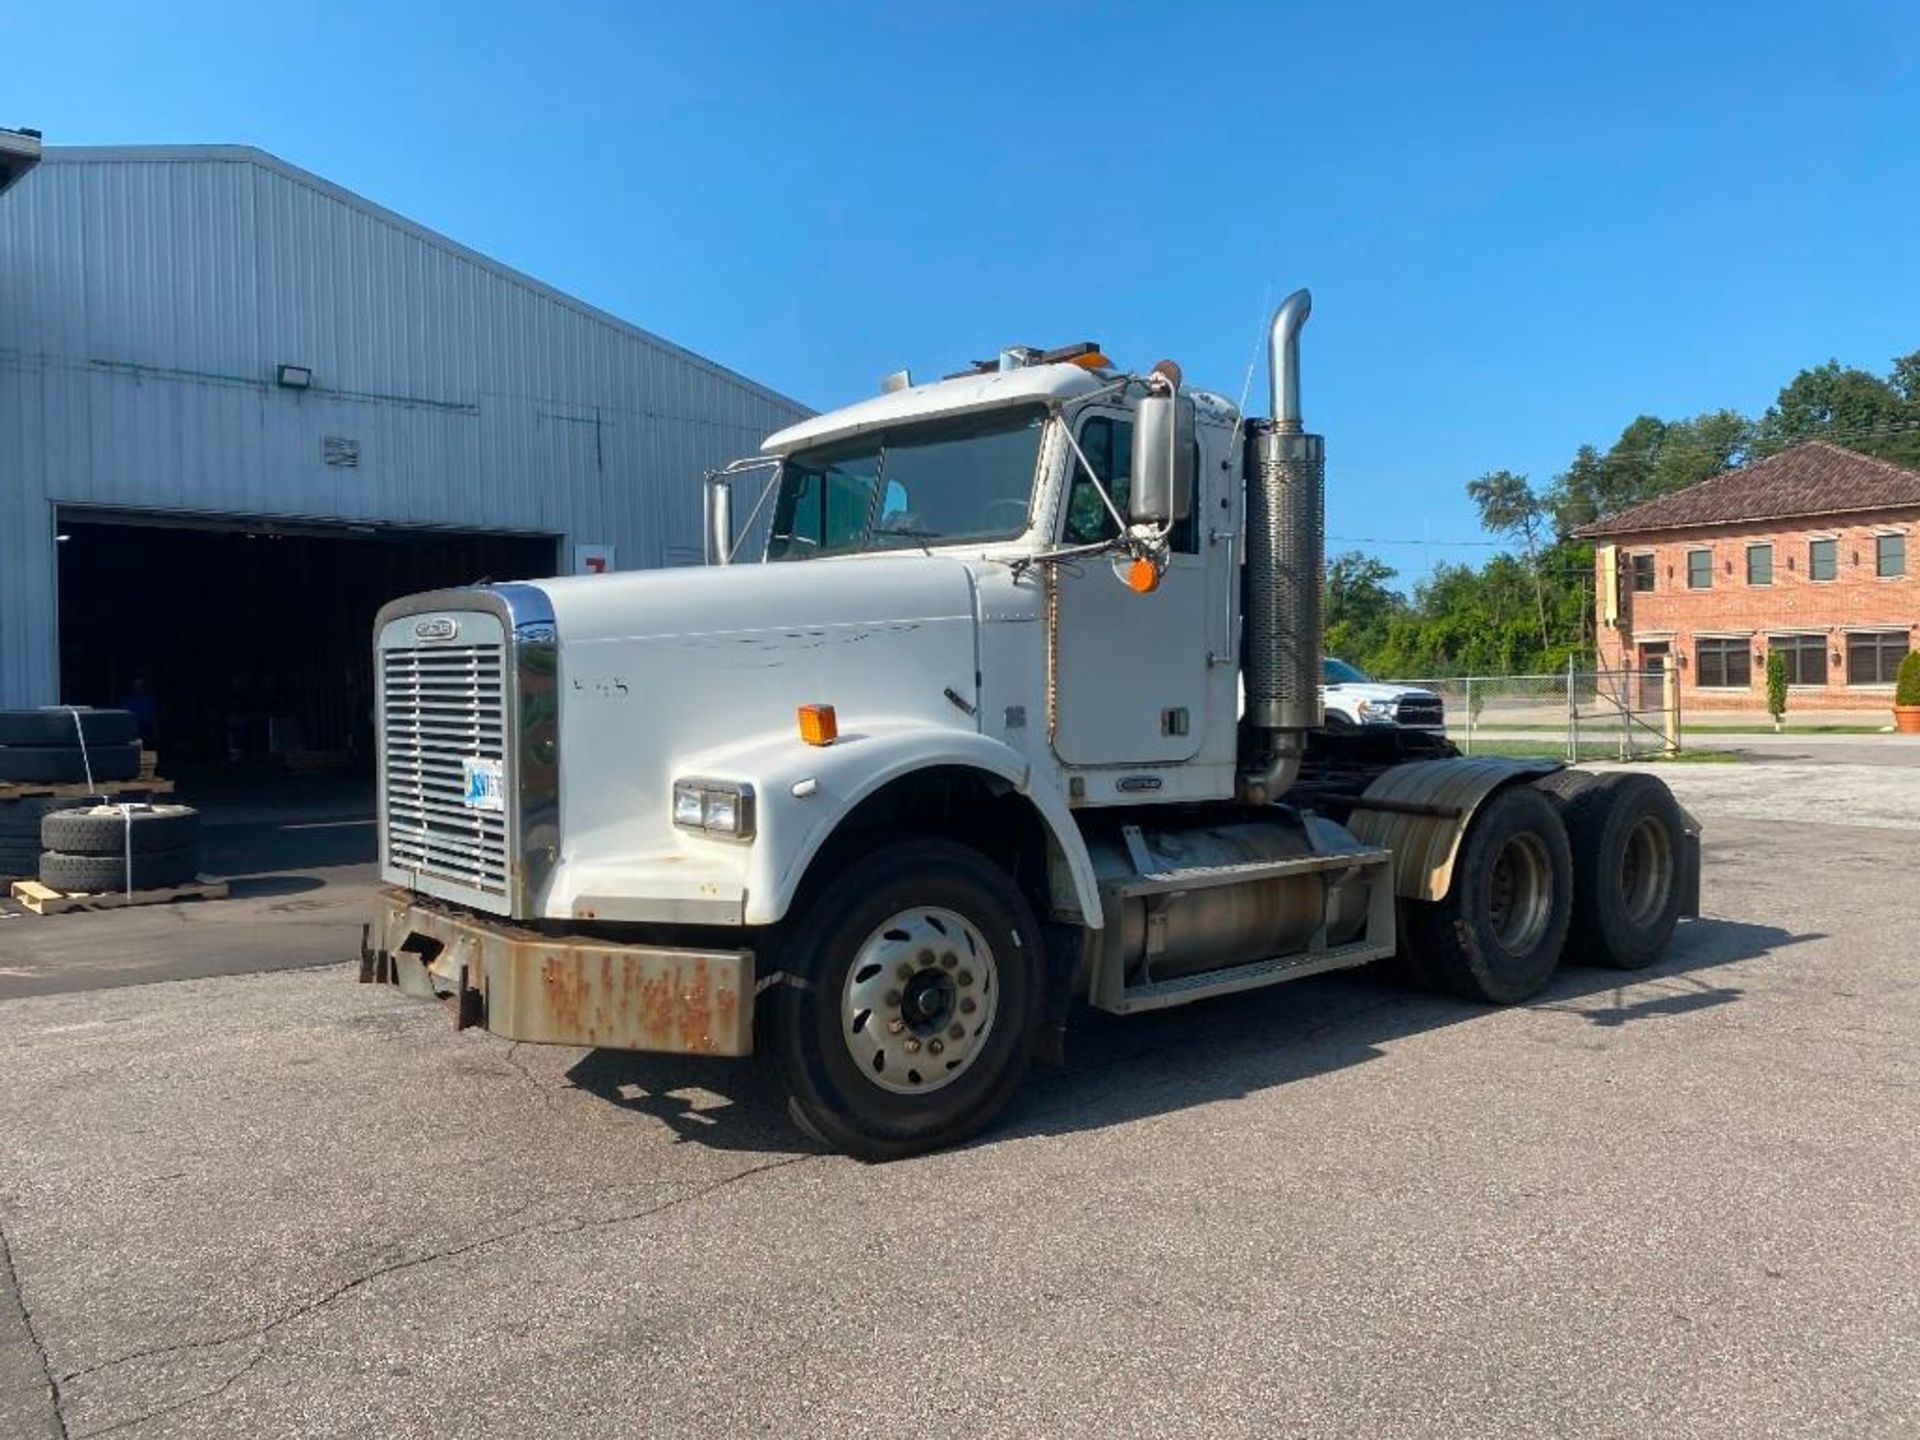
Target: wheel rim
x,y
1646,871
919,1000
1520,901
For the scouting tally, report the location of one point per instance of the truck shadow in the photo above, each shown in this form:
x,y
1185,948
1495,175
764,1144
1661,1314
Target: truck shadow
x,y
1128,1068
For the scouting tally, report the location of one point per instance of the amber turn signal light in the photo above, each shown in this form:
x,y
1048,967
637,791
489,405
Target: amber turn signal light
x,y
819,725
1143,577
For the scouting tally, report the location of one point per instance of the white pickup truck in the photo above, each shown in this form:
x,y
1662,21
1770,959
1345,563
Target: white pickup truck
x,y
1350,696
965,746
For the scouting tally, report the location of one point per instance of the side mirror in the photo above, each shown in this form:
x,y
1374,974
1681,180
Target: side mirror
x,y
1161,489
718,519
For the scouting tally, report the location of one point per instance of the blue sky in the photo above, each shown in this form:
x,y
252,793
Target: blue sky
x,y
1523,224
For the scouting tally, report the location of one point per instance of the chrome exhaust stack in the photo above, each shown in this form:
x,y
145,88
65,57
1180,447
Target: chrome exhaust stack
x,y
1286,540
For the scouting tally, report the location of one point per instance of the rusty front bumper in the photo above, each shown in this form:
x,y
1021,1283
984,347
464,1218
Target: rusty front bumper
x,y
556,990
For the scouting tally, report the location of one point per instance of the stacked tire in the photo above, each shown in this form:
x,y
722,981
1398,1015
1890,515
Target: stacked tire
x,y
20,820
120,847
65,746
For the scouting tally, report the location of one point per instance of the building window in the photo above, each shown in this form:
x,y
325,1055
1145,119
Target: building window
x,y
1699,569
1760,564
1806,655
1642,580
1722,665
1874,655
1821,560
1889,556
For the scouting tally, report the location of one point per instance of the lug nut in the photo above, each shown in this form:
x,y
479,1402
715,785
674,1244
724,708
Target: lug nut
x,y
967,1007
893,997
966,977
936,1046
958,1032
913,1047
896,1026
949,960
926,958
905,972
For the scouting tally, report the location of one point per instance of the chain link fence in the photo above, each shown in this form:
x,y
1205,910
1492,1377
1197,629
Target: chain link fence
x,y
1577,714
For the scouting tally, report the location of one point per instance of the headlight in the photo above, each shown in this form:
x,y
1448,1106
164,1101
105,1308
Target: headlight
x,y
714,807
1376,710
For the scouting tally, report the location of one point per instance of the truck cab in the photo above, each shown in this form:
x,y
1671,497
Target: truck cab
x,y
1004,697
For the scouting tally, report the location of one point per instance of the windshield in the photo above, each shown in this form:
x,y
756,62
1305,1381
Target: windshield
x,y
937,482
1340,673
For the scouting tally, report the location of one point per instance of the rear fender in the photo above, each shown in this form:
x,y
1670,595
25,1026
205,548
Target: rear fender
x,y
1421,813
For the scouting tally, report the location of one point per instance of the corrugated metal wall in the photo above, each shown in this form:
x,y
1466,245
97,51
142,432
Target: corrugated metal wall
x,y
148,295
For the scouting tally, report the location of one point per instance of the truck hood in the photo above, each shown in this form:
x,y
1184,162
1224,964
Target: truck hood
x,y
1375,691
768,606
678,674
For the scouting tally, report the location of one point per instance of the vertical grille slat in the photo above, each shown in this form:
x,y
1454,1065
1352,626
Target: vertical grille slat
x,y
441,705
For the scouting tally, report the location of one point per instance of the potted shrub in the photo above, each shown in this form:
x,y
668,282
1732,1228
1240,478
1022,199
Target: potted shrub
x,y
1906,695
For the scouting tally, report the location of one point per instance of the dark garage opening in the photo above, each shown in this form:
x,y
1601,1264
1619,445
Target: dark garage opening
x,y
249,646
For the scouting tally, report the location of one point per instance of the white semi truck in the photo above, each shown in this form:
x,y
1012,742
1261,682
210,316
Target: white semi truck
x,y
1018,707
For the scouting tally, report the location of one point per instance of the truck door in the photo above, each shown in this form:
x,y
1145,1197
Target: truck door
x,y
1132,669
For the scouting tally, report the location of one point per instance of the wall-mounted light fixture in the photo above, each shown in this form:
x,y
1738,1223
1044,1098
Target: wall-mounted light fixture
x,y
294,377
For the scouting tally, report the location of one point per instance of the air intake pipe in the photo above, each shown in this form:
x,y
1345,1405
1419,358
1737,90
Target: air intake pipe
x,y
1286,484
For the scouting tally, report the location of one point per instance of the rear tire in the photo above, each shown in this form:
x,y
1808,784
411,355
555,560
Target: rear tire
x,y
1628,838
92,874
64,764
107,830
921,992
1498,934
56,725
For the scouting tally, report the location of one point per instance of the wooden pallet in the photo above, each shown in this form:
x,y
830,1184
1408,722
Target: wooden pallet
x,y
35,789
45,900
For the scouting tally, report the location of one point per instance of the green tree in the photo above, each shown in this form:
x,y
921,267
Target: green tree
x,y
1850,407
1776,686
1508,506
1360,606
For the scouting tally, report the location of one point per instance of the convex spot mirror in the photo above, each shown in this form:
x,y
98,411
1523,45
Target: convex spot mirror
x,y
1160,491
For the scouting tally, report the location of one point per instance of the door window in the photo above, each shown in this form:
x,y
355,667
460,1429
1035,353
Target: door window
x,y
1108,445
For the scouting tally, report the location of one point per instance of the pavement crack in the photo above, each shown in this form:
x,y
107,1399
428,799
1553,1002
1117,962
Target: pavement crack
x,y
168,1409
545,1092
10,1283
561,1225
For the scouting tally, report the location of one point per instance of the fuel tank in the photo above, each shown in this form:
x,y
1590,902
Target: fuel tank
x,y
1167,933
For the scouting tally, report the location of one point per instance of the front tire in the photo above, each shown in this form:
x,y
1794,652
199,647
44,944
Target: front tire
x,y
1498,934
917,993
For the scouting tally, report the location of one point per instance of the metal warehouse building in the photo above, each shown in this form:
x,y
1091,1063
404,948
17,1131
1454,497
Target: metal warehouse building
x,y
241,407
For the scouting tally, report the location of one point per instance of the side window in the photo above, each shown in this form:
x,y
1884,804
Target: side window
x,y
1108,444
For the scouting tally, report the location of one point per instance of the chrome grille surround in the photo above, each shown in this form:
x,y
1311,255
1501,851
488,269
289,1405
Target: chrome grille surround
x,y
469,676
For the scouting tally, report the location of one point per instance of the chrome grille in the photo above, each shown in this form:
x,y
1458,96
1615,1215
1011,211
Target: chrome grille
x,y
442,706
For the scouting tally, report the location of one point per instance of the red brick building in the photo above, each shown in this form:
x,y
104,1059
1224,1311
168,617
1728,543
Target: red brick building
x,y
1806,552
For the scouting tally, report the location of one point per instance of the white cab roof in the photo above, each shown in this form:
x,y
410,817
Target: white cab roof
x,y
961,396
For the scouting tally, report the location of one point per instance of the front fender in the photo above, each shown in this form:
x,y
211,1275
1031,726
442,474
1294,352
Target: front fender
x,y
803,792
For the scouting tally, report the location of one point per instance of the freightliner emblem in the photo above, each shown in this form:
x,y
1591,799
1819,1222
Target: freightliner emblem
x,y
439,627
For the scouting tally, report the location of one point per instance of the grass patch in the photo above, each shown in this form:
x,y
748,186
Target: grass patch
x,y
1790,730
1596,750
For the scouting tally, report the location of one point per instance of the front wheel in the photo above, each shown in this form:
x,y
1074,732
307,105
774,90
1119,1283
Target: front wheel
x,y
914,999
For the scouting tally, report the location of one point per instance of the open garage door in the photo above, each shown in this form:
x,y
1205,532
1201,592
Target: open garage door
x,y
248,645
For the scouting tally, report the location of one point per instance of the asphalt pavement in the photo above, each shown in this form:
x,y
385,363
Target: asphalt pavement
x,y
1676,1203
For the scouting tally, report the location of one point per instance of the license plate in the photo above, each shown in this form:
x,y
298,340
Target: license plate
x,y
485,789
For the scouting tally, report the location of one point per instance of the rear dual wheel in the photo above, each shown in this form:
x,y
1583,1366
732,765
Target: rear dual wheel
x,y
915,994
1498,933
1628,838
